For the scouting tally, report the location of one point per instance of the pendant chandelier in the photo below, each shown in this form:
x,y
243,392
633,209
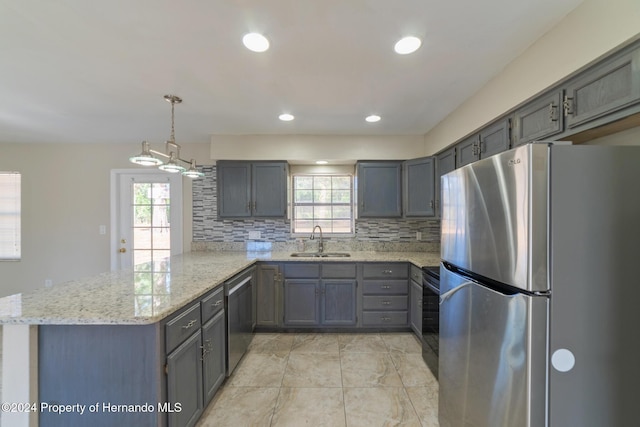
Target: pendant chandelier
x,y
148,157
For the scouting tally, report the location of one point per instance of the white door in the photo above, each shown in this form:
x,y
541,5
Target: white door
x,y
148,218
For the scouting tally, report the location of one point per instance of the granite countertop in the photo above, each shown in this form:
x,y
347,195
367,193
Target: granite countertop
x,y
144,297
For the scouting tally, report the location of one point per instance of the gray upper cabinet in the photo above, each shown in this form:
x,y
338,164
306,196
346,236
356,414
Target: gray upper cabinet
x,y
252,189
494,139
379,189
539,119
605,89
489,141
467,151
445,163
419,187
269,184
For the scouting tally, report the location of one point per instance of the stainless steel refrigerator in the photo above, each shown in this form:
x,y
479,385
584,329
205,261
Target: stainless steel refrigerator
x,y
540,289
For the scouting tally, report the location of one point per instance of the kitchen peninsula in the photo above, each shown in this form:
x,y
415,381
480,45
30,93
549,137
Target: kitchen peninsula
x,y
108,311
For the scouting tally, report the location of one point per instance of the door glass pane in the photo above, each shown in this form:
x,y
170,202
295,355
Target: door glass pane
x,y
151,215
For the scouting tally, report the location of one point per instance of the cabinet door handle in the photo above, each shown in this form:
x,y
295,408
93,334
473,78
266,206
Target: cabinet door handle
x,y
432,204
567,104
217,303
189,325
552,112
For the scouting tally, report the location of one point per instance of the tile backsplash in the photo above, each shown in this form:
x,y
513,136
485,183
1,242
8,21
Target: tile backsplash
x,y
208,228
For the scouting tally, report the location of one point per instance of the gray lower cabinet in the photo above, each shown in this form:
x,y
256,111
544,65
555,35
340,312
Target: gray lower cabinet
x,y
538,120
416,307
320,294
338,302
301,302
184,382
268,313
419,187
214,353
379,189
196,350
385,294
252,189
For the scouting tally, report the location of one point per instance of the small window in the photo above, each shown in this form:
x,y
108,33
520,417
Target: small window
x,y
10,216
324,200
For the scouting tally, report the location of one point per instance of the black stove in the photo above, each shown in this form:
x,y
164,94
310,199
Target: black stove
x,y
431,317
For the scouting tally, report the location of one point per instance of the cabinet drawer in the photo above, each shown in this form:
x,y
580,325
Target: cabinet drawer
x,y
385,318
385,270
302,270
212,304
416,274
385,287
379,302
339,271
182,326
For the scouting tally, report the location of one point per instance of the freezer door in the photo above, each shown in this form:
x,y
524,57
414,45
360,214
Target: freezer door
x,y
493,352
494,217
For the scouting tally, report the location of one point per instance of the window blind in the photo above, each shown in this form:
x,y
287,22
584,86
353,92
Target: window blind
x,y
10,216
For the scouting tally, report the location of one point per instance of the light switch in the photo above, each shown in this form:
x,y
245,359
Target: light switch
x,y
418,235
102,229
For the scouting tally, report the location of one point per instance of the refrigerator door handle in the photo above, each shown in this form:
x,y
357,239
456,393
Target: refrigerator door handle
x,y
449,293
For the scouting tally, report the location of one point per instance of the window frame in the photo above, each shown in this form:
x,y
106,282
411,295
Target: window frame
x,y
293,204
17,196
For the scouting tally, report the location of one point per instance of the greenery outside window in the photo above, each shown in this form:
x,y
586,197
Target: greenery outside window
x,y
10,244
324,200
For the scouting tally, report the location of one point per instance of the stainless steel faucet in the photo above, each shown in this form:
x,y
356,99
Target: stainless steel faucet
x,y
320,243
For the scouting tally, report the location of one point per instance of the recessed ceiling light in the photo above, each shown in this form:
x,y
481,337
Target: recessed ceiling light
x,y
321,162
286,117
407,45
255,42
372,118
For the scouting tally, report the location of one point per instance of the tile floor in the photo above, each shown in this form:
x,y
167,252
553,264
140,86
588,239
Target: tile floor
x,y
328,380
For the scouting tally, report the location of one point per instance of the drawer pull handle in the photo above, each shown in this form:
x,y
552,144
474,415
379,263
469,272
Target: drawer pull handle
x,y
386,287
385,319
386,303
387,271
217,303
189,325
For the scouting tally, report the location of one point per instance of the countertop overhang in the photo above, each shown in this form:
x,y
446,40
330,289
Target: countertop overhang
x,y
131,297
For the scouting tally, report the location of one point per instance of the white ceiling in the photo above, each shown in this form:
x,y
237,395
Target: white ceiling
x,y
96,71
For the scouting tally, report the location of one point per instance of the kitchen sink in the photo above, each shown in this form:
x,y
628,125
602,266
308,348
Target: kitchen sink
x,y
320,254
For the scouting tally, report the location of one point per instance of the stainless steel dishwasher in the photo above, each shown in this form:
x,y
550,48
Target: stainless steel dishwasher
x,y
238,294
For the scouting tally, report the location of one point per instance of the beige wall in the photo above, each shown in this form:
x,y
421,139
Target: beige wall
x,y
591,30
65,198
308,148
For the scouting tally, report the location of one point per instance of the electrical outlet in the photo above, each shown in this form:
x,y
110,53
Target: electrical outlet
x,y
254,235
48,283
418,235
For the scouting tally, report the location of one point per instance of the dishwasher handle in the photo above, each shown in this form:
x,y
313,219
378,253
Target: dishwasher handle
x,y
238,286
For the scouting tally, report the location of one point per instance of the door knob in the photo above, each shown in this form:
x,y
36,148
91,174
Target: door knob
x,y
122,250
